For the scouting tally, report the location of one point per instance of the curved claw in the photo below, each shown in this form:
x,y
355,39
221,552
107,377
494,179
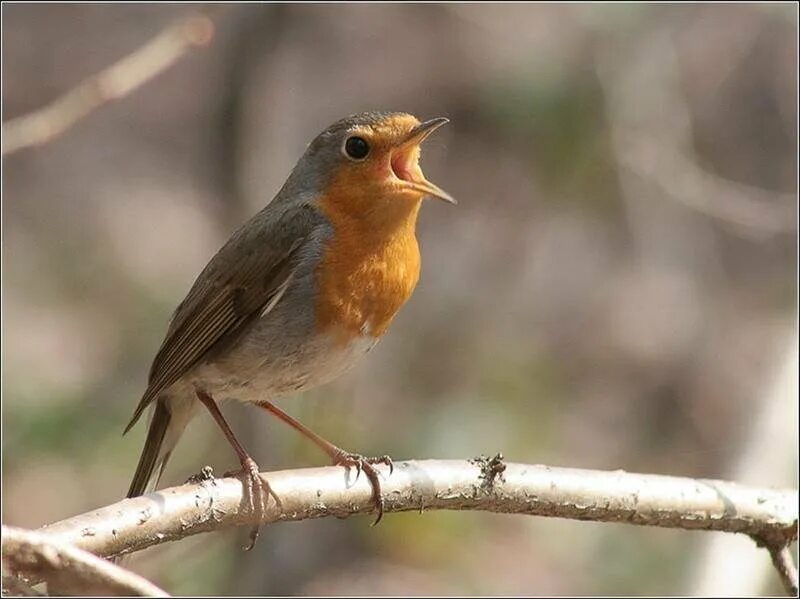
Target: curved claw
x,y
366,464
253,537
377,498
257,492
380,514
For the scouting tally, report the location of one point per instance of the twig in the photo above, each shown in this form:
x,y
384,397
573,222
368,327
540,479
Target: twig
x,y
782,559
645,499
652,140
16,587
768,456
66,569
755,212
113,83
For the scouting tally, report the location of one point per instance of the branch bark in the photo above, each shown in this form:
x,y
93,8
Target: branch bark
x,y
66,569
782,560
113,83
768,516
768,457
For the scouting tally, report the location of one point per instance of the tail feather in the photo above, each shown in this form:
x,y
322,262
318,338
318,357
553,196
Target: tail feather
x,y
152,453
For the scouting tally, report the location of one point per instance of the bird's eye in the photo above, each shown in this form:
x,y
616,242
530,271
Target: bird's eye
x,y
356,148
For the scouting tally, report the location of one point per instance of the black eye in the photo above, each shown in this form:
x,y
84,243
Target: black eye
x,y
356,148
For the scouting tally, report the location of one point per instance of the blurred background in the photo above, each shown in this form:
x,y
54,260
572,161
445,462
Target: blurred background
x,y
616,288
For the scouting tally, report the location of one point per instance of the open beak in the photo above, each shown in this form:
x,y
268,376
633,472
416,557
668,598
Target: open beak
x,y
405,161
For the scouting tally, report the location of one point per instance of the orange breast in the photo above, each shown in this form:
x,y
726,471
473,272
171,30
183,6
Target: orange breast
x,y
369,269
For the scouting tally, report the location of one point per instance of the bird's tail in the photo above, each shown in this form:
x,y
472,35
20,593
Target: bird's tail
x,y
154,454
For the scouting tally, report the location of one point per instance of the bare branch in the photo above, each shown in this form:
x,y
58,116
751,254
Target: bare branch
x,y
16,587
66,569
782,558
768,457
652,138
113,83
488,485
753,211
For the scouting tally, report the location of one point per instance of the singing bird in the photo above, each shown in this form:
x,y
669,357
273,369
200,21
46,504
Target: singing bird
x,y
298,293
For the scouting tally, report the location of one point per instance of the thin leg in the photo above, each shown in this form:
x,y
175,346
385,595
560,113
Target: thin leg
x,y
339,456
212,407
249,469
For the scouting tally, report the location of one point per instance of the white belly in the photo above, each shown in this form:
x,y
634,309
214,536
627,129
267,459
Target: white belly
x,y
245,377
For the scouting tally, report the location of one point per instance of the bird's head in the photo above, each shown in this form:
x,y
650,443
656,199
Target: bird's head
x,y
370,161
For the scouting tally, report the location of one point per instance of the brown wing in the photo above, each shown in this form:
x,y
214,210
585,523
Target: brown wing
x,y
245,279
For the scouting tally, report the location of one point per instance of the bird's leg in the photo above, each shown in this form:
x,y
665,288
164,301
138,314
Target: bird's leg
x,y
339,456
256,487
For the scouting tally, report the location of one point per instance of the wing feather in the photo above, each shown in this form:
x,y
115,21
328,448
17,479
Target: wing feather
x,y
244,280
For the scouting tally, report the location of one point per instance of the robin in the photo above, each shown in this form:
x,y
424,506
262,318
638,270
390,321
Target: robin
x,y
298,293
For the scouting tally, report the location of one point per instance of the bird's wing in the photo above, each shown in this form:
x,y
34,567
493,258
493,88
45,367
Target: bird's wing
x,y
245,279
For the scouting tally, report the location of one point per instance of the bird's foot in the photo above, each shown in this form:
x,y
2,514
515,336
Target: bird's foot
x,y
256,491
365,464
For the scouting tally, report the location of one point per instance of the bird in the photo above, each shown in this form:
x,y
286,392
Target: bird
x,y
297,294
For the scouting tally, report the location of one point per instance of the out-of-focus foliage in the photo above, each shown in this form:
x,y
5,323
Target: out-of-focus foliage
x,y
577,308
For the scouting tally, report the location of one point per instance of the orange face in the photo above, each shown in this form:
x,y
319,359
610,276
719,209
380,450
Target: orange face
x,y
381,162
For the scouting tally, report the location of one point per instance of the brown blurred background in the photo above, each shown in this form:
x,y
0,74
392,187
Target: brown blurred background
x,y
616,289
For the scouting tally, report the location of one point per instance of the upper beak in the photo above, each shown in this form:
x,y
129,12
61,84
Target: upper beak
x,y
414,138
418,134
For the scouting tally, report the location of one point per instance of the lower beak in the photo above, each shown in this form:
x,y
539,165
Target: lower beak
x,y
418,181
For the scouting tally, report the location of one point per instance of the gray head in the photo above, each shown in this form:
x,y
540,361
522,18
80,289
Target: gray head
x,y
372,154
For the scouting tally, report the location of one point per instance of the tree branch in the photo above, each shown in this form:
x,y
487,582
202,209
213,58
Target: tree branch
x,y
652,139
66,569
782,559
113,83
769,516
